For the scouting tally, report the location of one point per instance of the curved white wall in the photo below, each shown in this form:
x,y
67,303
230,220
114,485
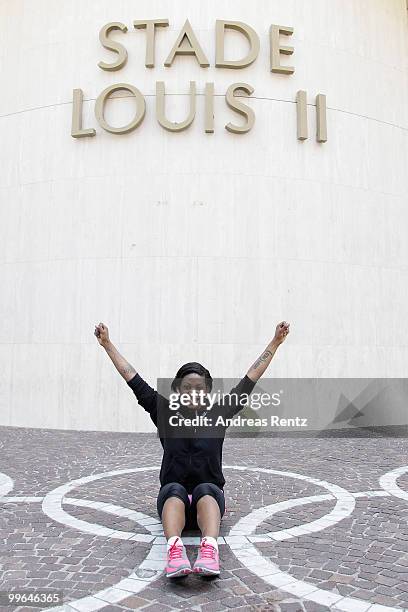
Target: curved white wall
x,y
192,246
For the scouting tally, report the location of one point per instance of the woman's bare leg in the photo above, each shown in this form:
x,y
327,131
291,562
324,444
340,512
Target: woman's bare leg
x,y
173,517
208,516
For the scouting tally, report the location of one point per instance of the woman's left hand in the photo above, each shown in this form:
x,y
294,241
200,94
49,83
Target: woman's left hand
x,y
282,330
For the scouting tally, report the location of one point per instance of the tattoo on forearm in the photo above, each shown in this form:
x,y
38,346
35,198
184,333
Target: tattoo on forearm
x,y
264,357
120,363
128,370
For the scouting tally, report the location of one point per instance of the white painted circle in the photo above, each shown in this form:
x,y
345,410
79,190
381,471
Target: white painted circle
x,y
344,506
388,482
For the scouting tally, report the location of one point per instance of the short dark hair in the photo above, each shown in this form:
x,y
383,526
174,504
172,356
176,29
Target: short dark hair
x,y
192,368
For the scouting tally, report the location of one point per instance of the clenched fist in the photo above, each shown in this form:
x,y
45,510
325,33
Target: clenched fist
x,y
102,334
282,330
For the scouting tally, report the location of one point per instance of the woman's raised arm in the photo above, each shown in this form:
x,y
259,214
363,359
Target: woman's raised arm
x,y
124,368
258,368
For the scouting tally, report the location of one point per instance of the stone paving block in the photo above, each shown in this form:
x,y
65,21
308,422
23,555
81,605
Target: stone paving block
x,y
233,602
315,607
363,594
213,606
134,602
240,589
345,589
255,599
324,575
291,607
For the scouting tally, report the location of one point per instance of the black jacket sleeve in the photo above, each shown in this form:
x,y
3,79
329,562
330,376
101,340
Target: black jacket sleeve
x,y
146,396
238,396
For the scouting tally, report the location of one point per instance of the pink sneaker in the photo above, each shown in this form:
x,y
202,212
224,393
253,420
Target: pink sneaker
x,y
178,563
207,563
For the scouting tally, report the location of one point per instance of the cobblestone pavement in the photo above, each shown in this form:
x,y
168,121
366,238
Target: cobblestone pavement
x,y
312,524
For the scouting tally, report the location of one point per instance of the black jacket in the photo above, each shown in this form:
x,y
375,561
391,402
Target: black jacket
x,y
193,460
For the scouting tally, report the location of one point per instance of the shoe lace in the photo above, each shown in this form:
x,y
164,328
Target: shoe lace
x,y
207,551
175,550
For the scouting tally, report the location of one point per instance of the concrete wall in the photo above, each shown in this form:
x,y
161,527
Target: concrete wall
x,y
192,246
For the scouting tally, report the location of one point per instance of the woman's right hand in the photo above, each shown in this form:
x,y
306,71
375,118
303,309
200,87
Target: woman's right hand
x,y
102,334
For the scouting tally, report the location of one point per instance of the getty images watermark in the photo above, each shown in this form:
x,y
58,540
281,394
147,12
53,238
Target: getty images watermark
x,y
203,402
293,406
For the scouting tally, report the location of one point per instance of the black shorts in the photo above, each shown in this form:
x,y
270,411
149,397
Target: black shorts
x,y
175,489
